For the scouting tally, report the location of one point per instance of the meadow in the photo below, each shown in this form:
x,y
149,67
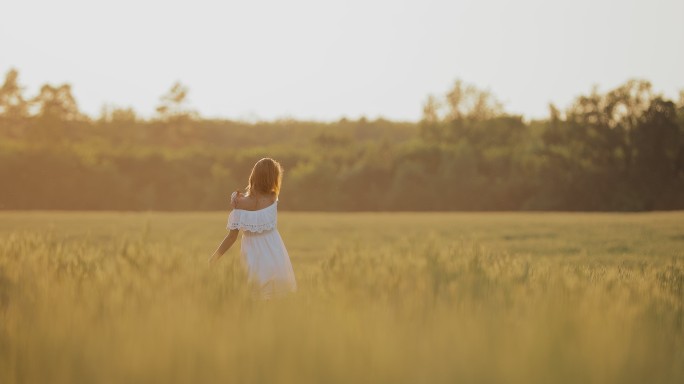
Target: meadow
x,y
112,297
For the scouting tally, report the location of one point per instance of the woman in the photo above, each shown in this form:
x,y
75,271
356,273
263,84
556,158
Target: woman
x,y
269,270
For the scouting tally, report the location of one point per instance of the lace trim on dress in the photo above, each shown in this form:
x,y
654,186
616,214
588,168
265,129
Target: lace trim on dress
x,y
252,227
253,221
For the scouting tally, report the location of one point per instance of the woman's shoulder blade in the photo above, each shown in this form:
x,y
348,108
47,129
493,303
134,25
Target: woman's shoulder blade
x,y
253,204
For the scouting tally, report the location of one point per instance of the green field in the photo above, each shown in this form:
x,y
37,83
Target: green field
x,y
383,298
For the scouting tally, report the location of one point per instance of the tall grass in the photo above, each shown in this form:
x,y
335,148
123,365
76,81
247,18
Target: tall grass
x,y
407,298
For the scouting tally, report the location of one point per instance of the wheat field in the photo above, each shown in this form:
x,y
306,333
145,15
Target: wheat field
x,y
383,298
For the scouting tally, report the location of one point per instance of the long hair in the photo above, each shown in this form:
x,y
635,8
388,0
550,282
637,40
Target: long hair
x,y
266,177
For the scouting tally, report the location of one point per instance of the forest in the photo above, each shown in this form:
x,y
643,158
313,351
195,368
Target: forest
x,y
618,150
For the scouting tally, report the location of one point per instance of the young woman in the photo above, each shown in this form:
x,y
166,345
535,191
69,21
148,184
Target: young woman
x,y
269,270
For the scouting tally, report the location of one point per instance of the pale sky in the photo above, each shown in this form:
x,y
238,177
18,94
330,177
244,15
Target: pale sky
x,y
322,60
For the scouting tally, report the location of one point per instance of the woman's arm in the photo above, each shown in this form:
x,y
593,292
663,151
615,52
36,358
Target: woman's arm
x,y
224,246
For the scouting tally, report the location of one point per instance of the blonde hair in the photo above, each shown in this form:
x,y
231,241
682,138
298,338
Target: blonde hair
x,y
266,177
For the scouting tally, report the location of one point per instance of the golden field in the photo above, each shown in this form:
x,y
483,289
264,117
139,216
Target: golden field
x,y
383,298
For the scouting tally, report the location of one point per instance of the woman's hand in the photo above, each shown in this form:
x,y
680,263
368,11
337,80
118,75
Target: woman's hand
x,y
212,259
224,246
233,199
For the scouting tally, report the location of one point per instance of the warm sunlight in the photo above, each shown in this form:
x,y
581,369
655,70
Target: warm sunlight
x,y
304,192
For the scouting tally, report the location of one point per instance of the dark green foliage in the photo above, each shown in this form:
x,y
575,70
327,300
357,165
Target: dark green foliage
x,y
623,150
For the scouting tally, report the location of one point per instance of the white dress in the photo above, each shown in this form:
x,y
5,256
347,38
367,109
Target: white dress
x,y
268,264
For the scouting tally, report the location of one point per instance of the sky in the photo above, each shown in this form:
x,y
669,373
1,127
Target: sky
x,y
324,60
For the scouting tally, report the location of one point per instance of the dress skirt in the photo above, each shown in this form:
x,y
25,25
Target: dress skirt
x,y
269,270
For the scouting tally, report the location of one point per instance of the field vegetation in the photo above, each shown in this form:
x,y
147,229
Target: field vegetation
x,y
383,298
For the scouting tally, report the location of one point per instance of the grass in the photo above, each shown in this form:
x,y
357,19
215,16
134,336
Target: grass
x,y
384,298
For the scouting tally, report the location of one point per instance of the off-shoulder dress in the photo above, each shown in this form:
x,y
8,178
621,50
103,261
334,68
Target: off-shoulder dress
x,y
268,264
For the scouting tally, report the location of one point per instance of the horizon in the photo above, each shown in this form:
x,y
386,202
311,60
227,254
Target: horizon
x,y
256,119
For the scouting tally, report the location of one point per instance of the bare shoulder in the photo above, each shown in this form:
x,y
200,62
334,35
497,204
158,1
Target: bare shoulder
x,y
253,202
247,202
269,199
237,199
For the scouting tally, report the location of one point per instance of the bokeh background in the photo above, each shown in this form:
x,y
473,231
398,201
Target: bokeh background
x,y
369,105
112,114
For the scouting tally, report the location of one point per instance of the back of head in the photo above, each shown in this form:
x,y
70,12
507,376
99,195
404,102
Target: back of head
x,y
266,177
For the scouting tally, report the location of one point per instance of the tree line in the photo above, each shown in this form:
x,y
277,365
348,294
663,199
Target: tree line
x,y
619,150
